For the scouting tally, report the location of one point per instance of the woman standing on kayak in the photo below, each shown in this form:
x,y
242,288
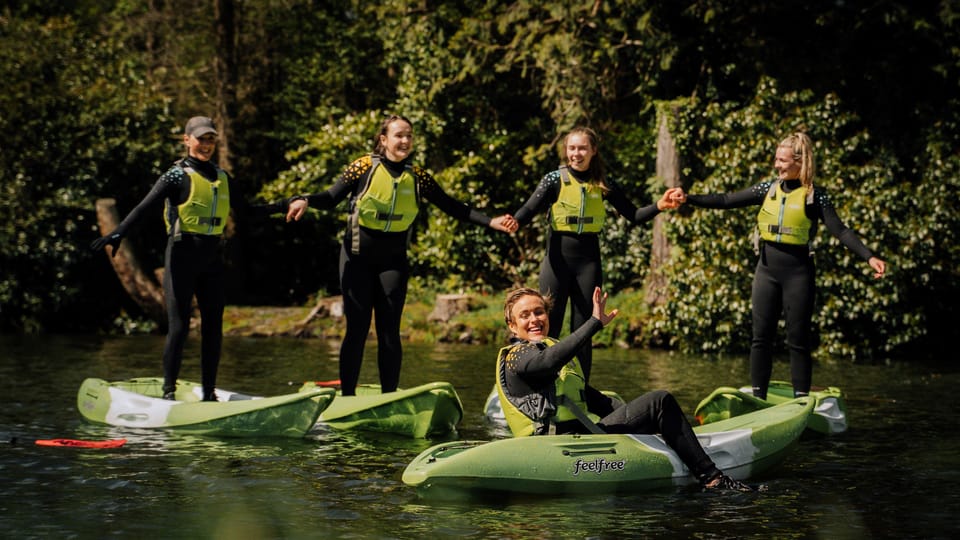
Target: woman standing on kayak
x,y
198,201
386,193
573,195
543,391
791,207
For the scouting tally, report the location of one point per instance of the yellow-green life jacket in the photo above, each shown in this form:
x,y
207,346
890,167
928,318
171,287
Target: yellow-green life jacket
x,y
783,218
579,207
385,203
206,209
533,414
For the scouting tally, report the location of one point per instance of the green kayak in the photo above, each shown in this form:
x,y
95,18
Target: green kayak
x,y
424,411
137,403
829,412
574,464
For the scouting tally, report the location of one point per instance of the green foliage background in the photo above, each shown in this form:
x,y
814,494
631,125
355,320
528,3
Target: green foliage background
x,y
94,93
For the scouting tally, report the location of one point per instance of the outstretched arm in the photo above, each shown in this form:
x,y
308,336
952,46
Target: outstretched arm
x,y
326,200
168,185
751,196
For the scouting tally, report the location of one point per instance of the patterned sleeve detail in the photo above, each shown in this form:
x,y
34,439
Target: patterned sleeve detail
x,y
512,359
821,198
548,184
545,194
174,177
355,171
549,181
426,183
761,189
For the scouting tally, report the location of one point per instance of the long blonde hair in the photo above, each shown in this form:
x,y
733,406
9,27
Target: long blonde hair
x,y
802,147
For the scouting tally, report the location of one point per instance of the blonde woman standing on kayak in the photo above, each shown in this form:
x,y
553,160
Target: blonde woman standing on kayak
x,y
791,208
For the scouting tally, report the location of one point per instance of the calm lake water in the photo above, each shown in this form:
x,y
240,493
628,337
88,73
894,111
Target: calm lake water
x,y
894,474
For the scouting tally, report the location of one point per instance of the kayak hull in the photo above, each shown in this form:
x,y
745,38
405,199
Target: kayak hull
x,y
742,447
829,414
138,403
428,410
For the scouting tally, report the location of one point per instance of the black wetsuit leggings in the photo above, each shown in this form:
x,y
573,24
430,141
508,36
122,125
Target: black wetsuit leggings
x,y
783,283
372,283
659,412
194,266
570,271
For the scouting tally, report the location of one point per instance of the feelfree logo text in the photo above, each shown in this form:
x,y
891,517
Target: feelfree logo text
x,y
598,466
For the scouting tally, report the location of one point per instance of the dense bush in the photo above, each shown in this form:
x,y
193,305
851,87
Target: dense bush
x,y
857,316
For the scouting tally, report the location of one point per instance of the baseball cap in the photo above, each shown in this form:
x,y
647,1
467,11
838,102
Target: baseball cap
x,y
199,126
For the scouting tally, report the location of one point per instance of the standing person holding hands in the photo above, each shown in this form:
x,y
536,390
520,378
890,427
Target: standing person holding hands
x,y
386,193
791,208
573,195
198,201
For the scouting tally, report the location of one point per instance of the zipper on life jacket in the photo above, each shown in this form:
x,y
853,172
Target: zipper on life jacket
x,y
783,205
583,207
213,213
393,203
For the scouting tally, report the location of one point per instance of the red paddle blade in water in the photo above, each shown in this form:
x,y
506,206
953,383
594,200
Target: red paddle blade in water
x,y
74,443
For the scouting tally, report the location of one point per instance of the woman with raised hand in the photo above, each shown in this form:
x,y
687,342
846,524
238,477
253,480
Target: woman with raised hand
x,y
543,391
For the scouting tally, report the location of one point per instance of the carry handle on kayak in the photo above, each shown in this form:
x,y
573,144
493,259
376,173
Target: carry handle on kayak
x,y
590,452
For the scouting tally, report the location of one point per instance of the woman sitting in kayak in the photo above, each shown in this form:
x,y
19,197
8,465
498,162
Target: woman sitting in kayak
x,y
542,389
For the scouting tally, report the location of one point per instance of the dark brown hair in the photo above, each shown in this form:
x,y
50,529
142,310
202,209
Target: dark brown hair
x,y
384,126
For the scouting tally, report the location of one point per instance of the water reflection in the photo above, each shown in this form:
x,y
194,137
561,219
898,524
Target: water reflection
x,y
893,474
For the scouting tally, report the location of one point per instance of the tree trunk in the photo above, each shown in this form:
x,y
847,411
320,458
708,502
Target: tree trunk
x,y
138,284
226,72
668,170
448,305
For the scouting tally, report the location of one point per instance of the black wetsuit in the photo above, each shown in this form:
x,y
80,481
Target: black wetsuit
x,y
571,267
534,367
784,284
374,280
193,265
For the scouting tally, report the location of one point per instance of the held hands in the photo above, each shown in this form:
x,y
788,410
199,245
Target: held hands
x,y
672,199
879,267
112,240
600,306
505,223
296,209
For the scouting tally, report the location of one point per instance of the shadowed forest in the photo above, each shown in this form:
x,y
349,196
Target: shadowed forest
x,y
95,94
